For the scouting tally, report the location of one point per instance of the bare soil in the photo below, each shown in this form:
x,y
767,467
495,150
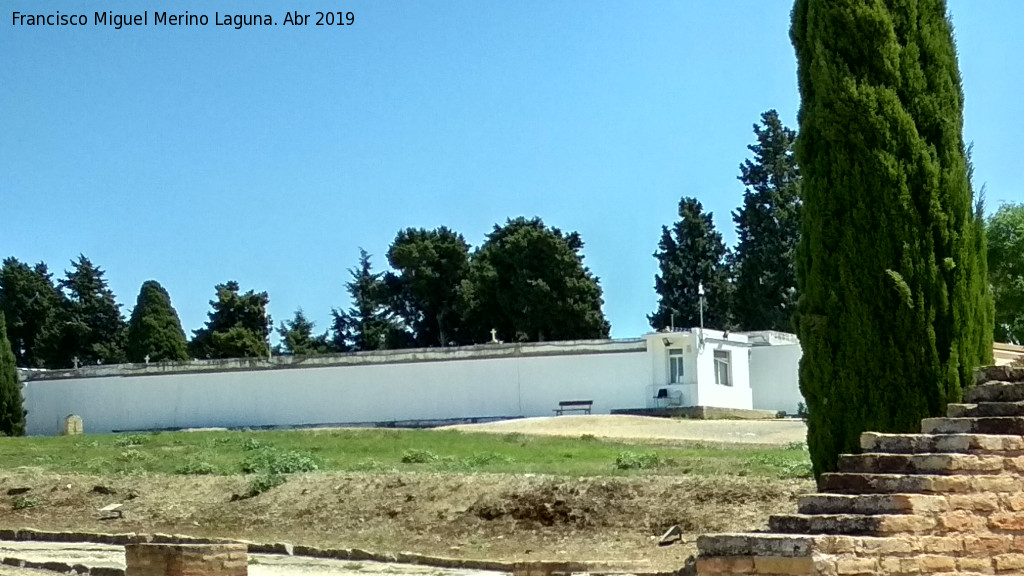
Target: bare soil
x,y
622,427
492,516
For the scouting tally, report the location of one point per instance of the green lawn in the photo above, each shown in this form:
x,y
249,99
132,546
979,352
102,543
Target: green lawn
x,y
236,452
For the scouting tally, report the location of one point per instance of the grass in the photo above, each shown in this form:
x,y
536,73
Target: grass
x,y
375,450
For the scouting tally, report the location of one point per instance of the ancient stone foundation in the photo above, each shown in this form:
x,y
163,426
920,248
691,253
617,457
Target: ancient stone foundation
x,y
947,501
186,560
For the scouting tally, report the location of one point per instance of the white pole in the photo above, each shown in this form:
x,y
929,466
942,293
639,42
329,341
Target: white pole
x,y
700,293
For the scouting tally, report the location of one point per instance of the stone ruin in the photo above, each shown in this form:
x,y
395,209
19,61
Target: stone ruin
x,y
72,425
186,560
949,500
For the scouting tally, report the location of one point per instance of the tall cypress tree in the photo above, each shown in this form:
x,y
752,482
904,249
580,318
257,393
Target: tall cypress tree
x,y
12,411
768,226
893,311
691,254
154,330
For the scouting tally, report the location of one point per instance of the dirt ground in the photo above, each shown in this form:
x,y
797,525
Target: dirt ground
x,y
622,427
486,516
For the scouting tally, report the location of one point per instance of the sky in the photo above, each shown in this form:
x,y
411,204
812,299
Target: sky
x,y
194,155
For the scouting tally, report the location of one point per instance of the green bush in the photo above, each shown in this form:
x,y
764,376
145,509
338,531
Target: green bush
x,y
263,482
254,444
636,460
132,455
274,461
126,440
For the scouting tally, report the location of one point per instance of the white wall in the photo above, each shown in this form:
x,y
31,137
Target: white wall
x,y
502,386
738,395
776,370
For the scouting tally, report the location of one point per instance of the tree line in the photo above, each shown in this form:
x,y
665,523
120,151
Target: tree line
x,y
527,281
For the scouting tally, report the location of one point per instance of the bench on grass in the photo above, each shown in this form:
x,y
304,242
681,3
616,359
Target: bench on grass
x,y
573,406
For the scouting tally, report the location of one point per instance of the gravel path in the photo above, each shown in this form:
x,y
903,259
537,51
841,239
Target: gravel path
x,y
102,555
780,431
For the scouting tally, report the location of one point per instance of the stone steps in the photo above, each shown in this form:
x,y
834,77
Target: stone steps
x,y
870,504
939,464
947,501
997,425
854,483
875,442
995,391
852,524
982,409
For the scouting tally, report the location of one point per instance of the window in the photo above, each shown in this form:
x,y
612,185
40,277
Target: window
x,y
723,374
675,365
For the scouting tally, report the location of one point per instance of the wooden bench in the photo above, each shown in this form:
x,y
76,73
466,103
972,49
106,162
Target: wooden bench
x,y
573,406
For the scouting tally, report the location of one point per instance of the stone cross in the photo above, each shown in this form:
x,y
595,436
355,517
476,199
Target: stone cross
x,y
494,335
75,360
146,358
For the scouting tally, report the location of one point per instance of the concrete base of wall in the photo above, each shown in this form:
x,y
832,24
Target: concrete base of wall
x,y
437,423
699,413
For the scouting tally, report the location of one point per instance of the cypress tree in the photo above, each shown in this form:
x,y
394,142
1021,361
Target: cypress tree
x,y
154,329
767,227
12,411
691,253
893,311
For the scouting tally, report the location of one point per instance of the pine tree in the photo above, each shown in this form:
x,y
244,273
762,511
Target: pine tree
x,y
370,323
238,326
154,330
893,309
12,410
34,309
768,226
297,337
93,329
691,254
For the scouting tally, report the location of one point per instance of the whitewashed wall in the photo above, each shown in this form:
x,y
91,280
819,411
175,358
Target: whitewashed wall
x,y
776,369
513,381
738,395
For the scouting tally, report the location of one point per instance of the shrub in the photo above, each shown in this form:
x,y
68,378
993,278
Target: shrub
x,y
132,455
274,461
251,444
263,482
126,440
636,460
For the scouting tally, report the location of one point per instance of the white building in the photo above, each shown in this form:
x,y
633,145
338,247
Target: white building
x,y
661,370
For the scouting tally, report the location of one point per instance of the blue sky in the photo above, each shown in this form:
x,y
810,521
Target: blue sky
x,y
269,155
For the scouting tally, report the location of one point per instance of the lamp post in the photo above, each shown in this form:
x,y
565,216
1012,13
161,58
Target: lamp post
x,y
700,297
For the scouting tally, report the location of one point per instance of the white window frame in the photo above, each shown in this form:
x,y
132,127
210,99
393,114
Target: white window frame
x,y
676,366
723,367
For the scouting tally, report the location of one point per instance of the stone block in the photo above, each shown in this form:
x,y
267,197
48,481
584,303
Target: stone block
x,y
987,544
779,565
1006,562
186,559
72,425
